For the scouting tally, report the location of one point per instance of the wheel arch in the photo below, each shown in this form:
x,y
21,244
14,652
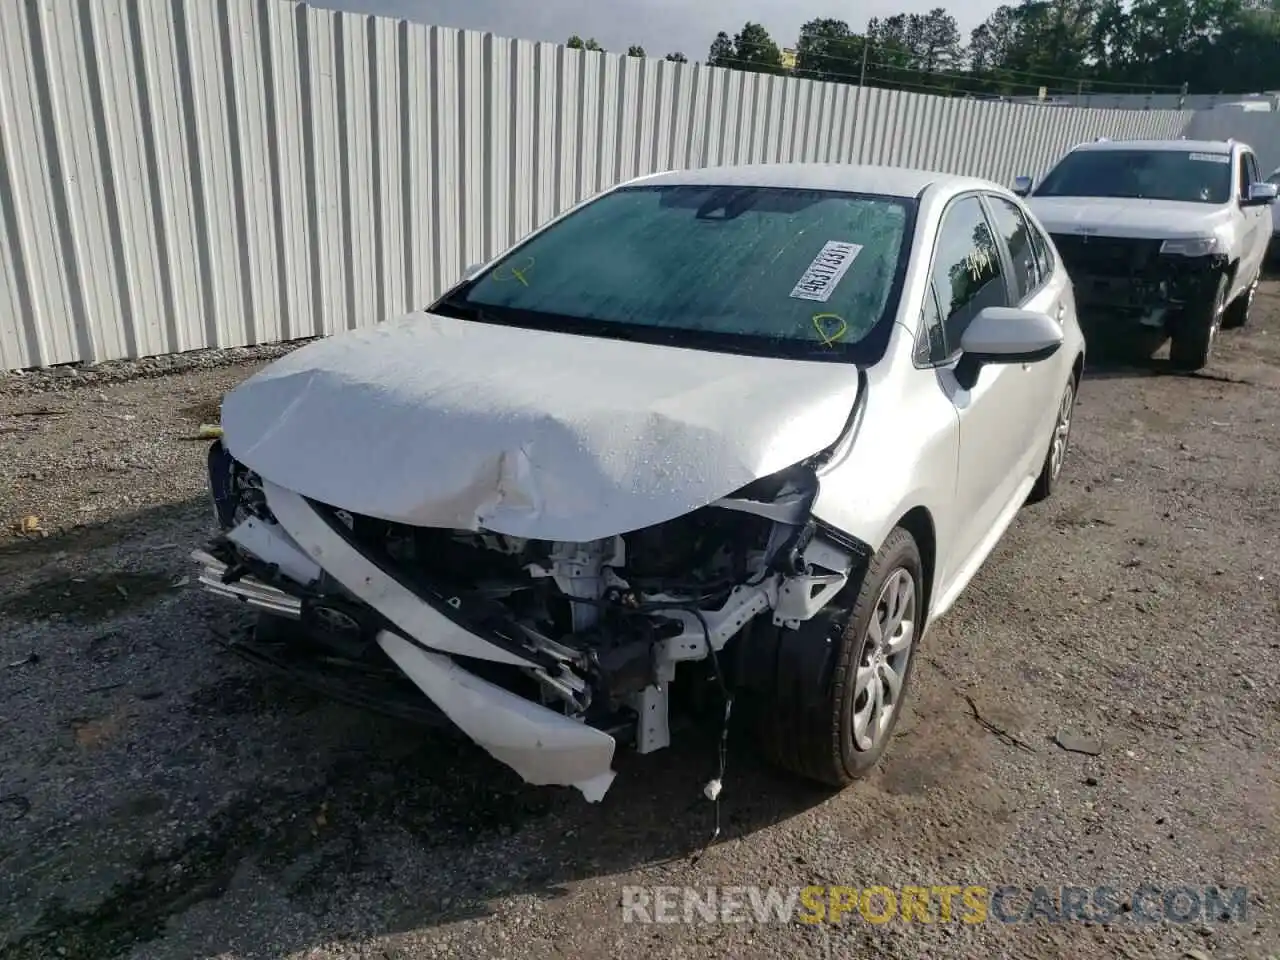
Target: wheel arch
x,y
918,522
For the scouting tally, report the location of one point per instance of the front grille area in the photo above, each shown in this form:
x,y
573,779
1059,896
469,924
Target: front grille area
x,y
1131,275
1108,256
236,490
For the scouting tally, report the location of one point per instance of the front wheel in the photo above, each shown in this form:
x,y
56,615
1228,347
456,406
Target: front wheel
x,y
1053,460
1238,312
833,725
1197,330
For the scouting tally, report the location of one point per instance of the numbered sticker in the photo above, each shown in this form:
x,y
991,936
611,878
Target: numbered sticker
x,y
822,276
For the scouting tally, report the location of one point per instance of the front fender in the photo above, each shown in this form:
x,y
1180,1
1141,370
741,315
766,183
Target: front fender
x,y
904,455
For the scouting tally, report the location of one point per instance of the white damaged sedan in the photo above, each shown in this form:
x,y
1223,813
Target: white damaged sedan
x,y
750,429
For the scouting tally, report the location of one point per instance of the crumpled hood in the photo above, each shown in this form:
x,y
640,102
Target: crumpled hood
x,y
439,422
1118,217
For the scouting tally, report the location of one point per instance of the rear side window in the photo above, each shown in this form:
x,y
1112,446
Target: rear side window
x,y
1044,260
1016,233
966,268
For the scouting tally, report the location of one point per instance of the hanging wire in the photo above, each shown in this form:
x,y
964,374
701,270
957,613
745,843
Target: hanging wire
x,y
1004,74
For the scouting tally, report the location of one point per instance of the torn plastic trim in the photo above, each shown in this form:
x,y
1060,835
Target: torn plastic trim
x,y
274,547
825,569
487,626
542,746
426,623
783,497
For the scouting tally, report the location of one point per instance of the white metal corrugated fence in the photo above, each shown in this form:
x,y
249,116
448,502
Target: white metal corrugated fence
x,y
177,174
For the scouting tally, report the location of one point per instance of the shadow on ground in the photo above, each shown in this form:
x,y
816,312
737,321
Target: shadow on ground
x,y
328,802
1126,352
493,835
20,551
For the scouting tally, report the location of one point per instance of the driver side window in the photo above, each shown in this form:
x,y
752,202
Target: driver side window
x,y
967,273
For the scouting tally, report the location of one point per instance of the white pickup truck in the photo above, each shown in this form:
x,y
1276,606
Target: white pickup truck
x,y
1167,233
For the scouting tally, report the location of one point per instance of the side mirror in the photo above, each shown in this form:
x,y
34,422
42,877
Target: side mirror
x,y
1261,194
471,271
1006,335
1021,186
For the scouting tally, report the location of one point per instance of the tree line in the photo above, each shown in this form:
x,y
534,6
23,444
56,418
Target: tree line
x,y
575,42
1062,46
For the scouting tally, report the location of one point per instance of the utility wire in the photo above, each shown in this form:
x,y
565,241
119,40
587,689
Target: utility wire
x,y
950,86
857,43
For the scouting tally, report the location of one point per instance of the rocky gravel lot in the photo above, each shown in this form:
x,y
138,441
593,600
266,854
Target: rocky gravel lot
x,y
160,800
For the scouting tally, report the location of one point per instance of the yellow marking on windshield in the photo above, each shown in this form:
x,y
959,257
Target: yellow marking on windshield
x,y
831,327
514,273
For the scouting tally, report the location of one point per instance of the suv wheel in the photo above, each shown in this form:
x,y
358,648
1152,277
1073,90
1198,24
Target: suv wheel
x,y
1237,314
1196,331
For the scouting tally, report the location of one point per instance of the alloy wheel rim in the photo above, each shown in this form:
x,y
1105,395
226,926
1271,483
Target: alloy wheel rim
x,y
1061,432
886,652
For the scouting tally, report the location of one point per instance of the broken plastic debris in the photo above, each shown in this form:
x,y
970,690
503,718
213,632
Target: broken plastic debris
x,y
30,525
712,790
209,431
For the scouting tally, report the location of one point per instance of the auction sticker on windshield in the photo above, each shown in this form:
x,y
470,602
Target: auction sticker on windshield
x,y
1211,157
820,279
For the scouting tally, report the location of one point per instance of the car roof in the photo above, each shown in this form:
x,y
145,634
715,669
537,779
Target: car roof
x,y
854,178
1199,146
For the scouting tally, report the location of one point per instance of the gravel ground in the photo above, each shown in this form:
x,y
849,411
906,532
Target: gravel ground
x,y
158,799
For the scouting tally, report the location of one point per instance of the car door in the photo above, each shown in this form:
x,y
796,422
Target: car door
x,y
968,272
1034,285
1255,233
1275,207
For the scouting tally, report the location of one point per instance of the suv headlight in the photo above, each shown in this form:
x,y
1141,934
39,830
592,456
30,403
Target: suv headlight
x,y
1196,247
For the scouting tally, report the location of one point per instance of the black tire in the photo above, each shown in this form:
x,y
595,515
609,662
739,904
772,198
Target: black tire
x,y
1193,338
1051,469
805,720
1238,311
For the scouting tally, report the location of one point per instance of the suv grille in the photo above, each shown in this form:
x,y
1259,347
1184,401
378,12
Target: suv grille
x,y
1107,256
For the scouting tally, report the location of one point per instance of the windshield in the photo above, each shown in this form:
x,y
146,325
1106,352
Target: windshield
x,y
775,271
1141,174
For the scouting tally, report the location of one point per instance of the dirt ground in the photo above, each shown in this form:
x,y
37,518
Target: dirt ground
x,y
158,799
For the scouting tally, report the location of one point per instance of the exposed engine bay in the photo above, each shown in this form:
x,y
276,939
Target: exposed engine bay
x,y
592,632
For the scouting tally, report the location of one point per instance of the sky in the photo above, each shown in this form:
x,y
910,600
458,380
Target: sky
x,y
660,26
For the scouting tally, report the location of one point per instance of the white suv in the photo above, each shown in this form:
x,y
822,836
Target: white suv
x,y
1274,179
1168,233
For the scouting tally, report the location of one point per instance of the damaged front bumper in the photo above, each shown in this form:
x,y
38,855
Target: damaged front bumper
x,y
547,655
1130,279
